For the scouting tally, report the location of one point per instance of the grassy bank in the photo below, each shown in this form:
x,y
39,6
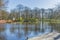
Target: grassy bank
x,y
32,20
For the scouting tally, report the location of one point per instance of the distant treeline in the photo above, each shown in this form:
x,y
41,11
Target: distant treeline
x,y
26,13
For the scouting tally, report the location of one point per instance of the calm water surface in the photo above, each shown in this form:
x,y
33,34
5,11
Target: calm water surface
x,y
22,31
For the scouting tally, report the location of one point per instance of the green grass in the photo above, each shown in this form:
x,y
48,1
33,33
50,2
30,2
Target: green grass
x,y
35,20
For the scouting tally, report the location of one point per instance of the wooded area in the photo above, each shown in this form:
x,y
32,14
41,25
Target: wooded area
x,y
25,14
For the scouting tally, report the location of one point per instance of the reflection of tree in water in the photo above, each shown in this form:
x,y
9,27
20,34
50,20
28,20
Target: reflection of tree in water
x,y
13,28
42,30
55,26
2,27
19,33
52,26
26,30
37,28
2,37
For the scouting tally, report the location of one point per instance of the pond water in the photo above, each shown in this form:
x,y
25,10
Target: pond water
x,y
24,31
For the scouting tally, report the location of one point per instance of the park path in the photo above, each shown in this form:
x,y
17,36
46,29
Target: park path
x,y
49,36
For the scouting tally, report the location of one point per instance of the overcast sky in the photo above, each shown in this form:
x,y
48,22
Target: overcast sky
x,y
33,3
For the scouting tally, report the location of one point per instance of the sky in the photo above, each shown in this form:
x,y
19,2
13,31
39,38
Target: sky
x,y
33,3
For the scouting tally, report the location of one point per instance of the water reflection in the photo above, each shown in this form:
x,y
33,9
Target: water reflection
x,y
37,28
15,29
2,37
23,31
55,26
2,29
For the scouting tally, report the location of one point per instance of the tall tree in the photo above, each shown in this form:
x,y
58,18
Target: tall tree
x,y
2,8
27,12
4,15
37,12
20,8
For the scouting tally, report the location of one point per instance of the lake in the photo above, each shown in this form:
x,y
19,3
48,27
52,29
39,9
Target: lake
x,y
17,31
